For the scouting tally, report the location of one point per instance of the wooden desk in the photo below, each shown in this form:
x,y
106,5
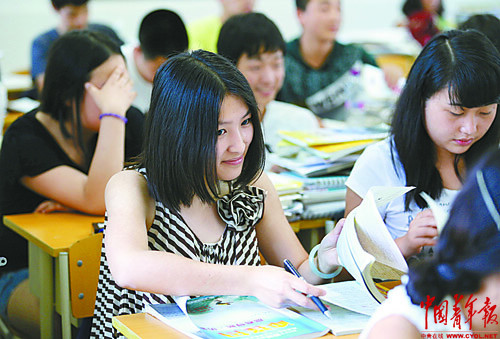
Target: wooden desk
x,y
49,238
10,117
145,326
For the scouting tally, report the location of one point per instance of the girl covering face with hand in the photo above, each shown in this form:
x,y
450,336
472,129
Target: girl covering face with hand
x,y
189,219
61,155
445,119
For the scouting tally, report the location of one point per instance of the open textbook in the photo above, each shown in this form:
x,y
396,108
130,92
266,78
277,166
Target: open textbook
x,y
440,214
234,317
365,246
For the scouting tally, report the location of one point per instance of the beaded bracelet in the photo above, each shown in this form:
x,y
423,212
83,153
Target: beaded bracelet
x,y
122,118
316,271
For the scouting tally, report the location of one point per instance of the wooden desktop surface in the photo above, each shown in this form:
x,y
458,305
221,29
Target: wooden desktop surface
x,y
145,326
52,232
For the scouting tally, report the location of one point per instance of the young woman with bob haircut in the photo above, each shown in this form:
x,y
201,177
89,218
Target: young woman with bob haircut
x,y
61,155
445,119
189,219
465,268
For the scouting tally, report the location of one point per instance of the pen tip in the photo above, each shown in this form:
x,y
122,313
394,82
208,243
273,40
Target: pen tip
x,y
328,314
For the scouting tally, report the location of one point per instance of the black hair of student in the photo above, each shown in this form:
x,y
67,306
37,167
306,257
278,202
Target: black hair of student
x,y
162,33
179,152
301,4
412,6
58,4
70,62
468,249
487,24
250,34
468,65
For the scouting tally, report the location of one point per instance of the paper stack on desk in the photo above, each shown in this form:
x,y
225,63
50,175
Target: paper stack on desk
x,y
323,151
309,198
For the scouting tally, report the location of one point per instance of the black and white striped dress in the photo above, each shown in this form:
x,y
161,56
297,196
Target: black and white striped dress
x,y
241,209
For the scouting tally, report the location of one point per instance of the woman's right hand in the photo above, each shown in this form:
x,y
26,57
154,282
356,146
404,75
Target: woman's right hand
x,y
422,232
116,95
277,288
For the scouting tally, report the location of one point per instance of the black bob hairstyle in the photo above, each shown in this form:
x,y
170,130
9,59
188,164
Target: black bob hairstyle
x,y
468,65
179,152
468,249
250,34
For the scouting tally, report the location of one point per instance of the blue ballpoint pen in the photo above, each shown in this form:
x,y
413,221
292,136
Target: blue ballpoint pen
x,y
290,268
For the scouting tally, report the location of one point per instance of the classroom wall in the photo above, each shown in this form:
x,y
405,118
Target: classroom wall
x,y
22,20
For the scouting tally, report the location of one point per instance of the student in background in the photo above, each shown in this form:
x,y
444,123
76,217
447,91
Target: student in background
x,y
425,18
255,45
445,119
465,267
487,24
190,218
315,59
161,35
61,155
73,14
203,33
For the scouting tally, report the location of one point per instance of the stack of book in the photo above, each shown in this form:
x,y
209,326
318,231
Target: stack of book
x,y
325,151
309,198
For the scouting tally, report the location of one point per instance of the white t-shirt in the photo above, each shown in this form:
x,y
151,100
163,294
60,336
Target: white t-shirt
x,y
375,168
399,303
141,86
286,117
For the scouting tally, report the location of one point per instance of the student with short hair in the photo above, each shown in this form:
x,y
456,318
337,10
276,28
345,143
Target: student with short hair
x,y
465,269
161,34
488,24
445,119
316,59
61,155
193,215
73,14
255,45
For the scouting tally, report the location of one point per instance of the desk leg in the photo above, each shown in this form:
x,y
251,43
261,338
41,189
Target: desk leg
x,y
46,291
64,294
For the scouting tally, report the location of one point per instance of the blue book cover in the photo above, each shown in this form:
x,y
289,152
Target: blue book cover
x,y
234,317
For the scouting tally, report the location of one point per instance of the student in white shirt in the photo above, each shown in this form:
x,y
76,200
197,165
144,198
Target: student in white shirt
x,y
445,119
466,265
255,45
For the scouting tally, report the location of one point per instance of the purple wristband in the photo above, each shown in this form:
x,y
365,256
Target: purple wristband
x,y
122,118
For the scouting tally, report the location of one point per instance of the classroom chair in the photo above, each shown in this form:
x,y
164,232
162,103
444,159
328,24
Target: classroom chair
x,y
79,287
5,331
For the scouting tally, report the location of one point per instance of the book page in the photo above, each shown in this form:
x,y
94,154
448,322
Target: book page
x,y
342,322
372,232
351,296
440,214
173,316
351,254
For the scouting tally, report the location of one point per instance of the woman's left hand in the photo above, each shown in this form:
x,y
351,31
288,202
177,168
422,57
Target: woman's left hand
x,y
51,206
328,259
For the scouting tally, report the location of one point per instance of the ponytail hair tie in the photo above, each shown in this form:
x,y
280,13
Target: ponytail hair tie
x,y
445,272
